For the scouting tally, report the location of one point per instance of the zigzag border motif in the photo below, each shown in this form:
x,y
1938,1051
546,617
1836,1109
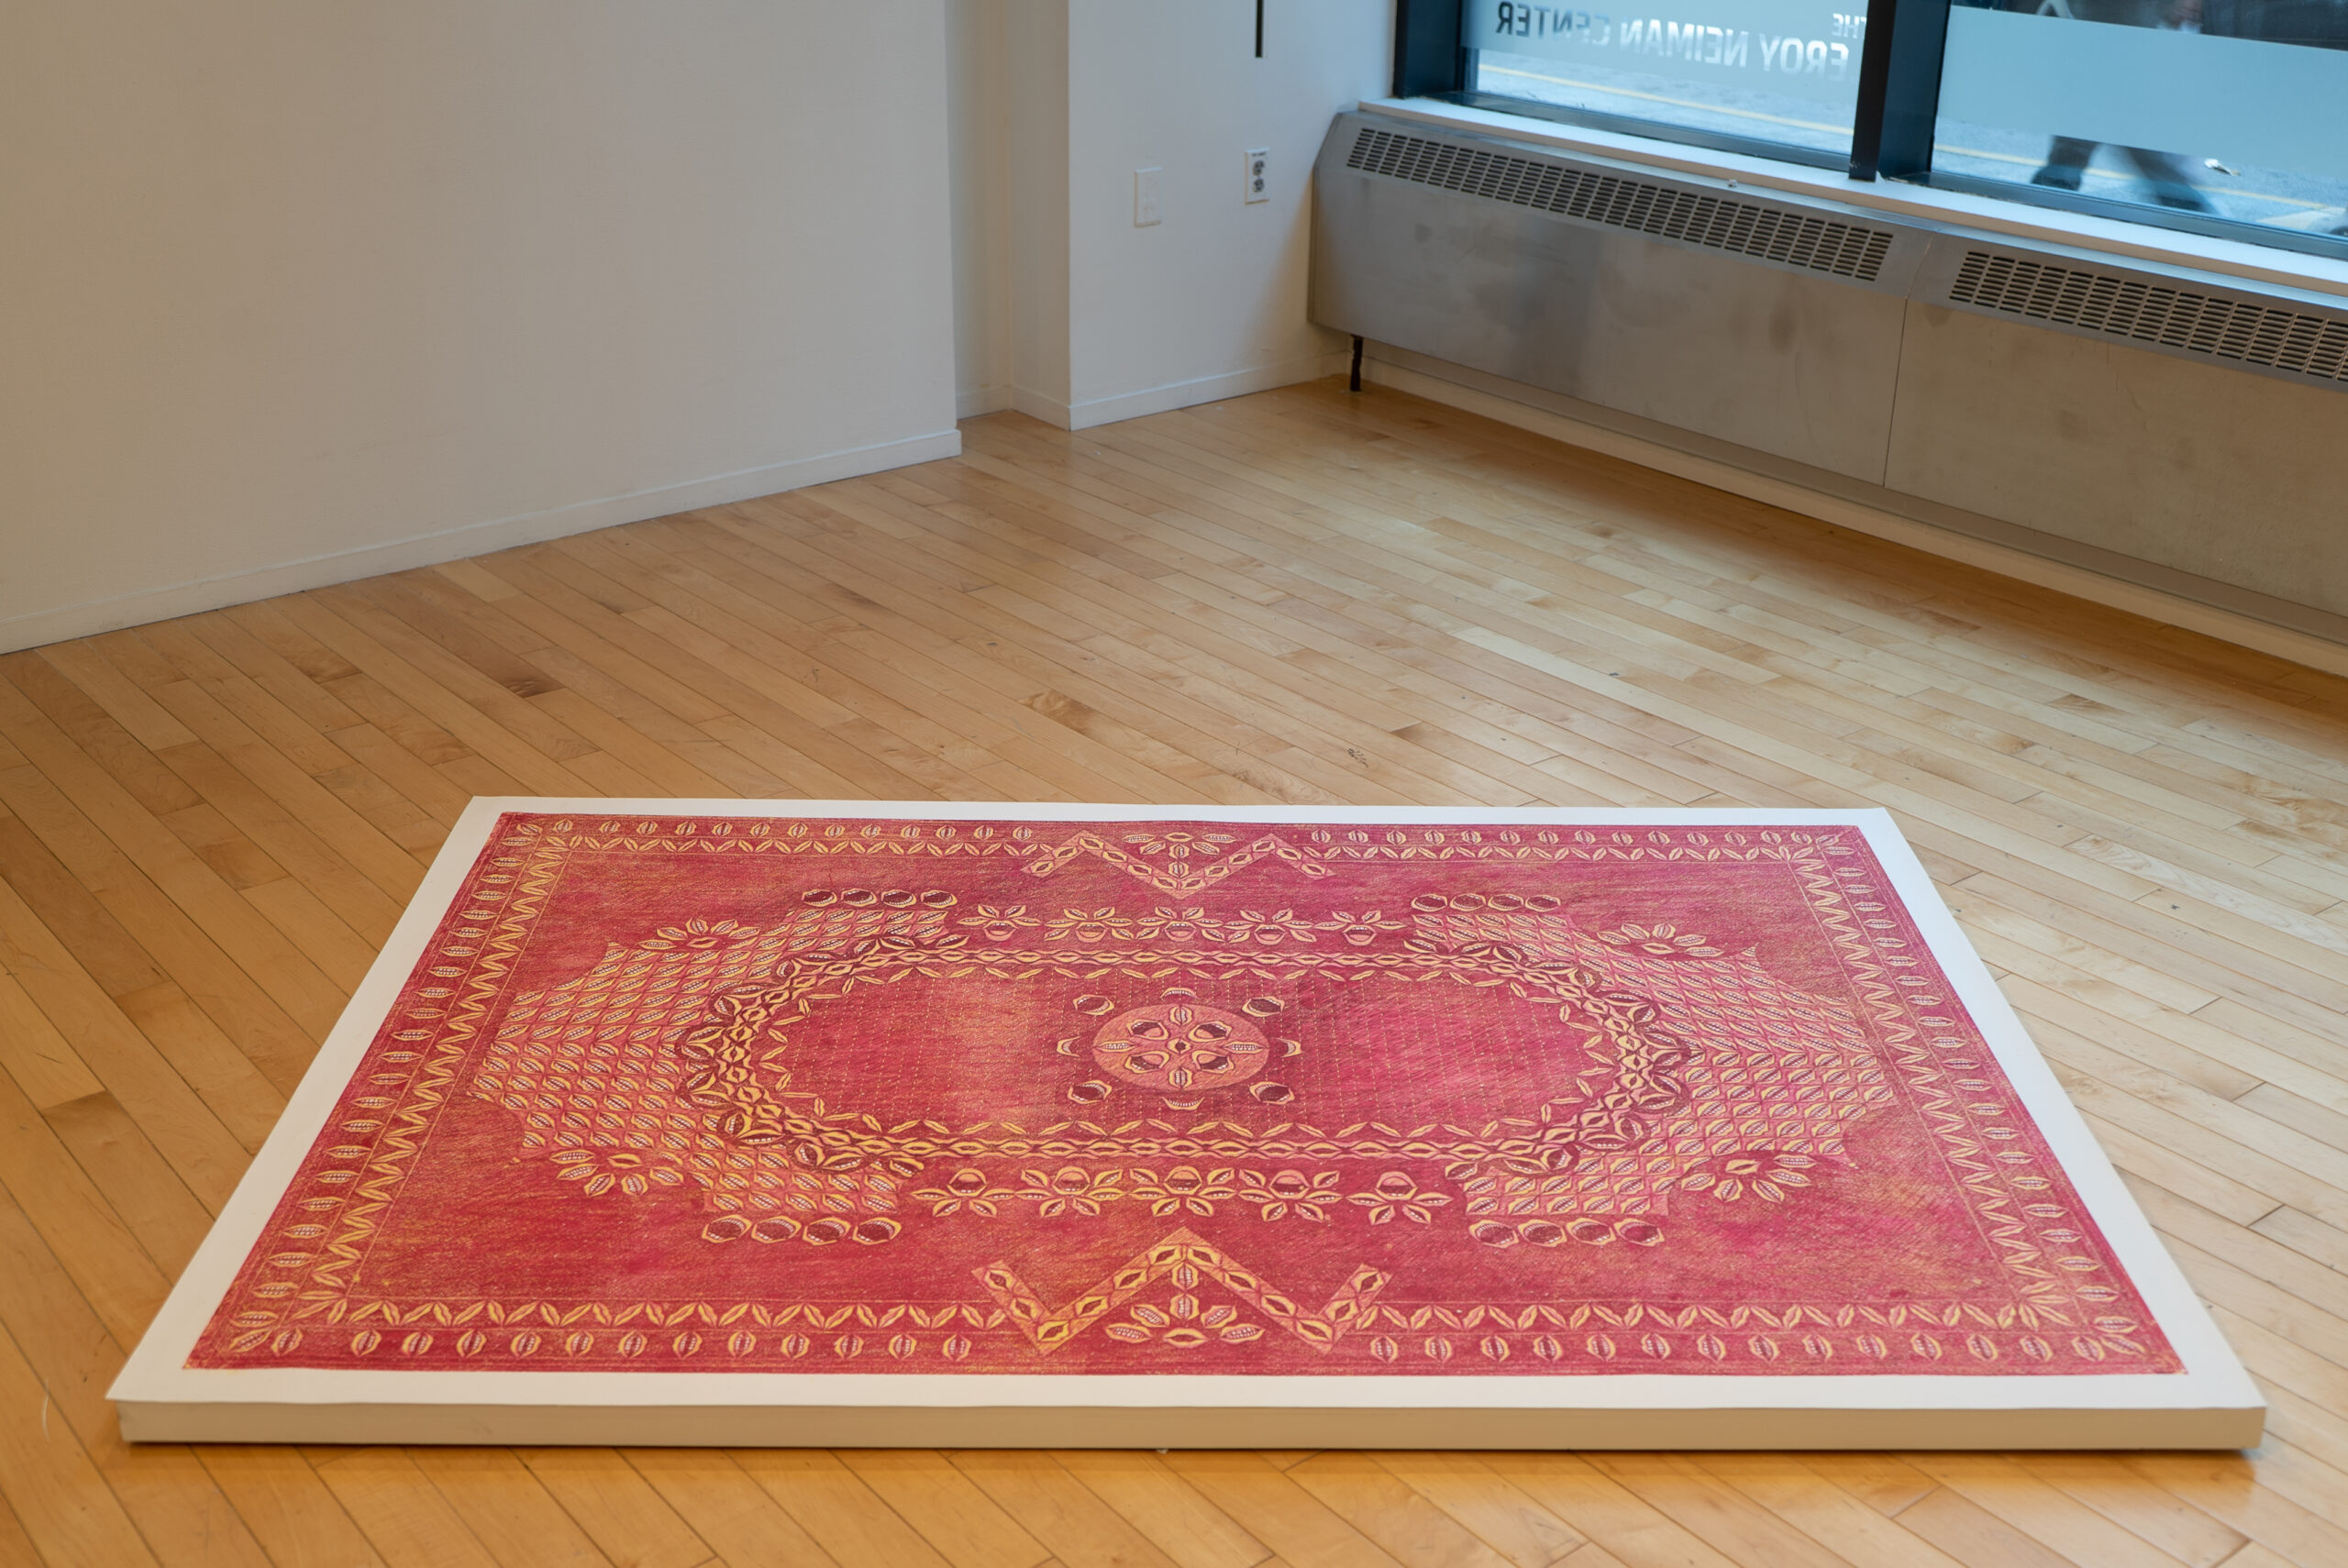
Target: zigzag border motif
x,y
1173,1255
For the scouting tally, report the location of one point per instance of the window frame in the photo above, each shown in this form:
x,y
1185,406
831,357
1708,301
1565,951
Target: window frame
x,y
1892,122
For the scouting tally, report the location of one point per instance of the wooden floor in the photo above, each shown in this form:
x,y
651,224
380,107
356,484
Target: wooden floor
x,y
206,827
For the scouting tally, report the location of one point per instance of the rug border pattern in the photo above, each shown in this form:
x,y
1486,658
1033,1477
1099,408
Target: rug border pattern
x,y
488,926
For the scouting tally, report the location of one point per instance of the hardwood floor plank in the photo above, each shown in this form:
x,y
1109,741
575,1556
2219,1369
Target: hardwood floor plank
x,y
60,1500
2230,1490
405,1517
832,1503
616,1506
691,690
41,685
1970,1533
736,632
2310,1237
34,1054
178,1511
1068,1517
2045,1513
109,1267
952,1515
1838,1520
2147,1160
935,622
138,1183
507,733
1601,1509
1504,1518
208,826
190,923
509,1511
1363,1493
282,757
727,1509
287,1506
1714,1512
2128,1499
1274,1507
1174,1515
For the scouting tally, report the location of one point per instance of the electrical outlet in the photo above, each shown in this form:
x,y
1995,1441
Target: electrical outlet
x,y
1146,209
1258,164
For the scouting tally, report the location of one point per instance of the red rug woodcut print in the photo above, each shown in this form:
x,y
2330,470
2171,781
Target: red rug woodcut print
x,y
763,1094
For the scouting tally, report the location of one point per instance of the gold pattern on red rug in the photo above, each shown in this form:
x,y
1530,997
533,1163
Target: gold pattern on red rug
x,y
904,1095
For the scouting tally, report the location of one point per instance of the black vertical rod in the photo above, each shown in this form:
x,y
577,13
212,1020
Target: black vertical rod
x,y
1875,84
1353,382
1259,30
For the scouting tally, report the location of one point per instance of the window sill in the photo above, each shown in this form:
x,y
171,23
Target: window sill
x,y
2314,275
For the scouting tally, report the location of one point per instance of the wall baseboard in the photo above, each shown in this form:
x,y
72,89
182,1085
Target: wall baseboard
x,y
2152,604
1036,405
35,628
1174,395
970,402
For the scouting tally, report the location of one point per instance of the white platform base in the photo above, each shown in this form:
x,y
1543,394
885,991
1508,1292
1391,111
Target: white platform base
x,y
2209,1403
1094,1426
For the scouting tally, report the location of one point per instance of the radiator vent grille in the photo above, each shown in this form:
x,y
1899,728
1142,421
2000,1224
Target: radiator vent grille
x,y
2223,328
1721,222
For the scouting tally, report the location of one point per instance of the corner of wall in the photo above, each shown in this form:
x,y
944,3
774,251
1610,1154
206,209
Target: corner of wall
x,y
973,402
1102,318
1035,195
979,175
1199,390
311,292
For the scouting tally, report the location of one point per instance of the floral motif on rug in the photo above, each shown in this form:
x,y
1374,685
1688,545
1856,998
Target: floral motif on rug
x,y
750,1094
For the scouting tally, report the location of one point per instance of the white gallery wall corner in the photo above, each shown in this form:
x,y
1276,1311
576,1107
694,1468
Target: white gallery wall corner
x,y
302,295
1075,305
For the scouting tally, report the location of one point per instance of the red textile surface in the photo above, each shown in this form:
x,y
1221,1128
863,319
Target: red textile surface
x,y
763,1093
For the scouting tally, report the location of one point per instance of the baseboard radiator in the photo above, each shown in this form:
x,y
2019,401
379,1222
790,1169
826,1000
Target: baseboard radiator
x,y
2174,427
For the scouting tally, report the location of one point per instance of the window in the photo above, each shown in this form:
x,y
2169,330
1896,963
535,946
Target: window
x,y
1783,73
2225,116
2228,109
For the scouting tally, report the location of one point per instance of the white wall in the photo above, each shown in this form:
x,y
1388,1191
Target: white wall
x,y
978,131
1208,303
293,292
1105,320
1035,186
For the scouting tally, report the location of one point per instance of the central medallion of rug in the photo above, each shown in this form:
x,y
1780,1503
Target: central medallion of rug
x,y
768,1093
